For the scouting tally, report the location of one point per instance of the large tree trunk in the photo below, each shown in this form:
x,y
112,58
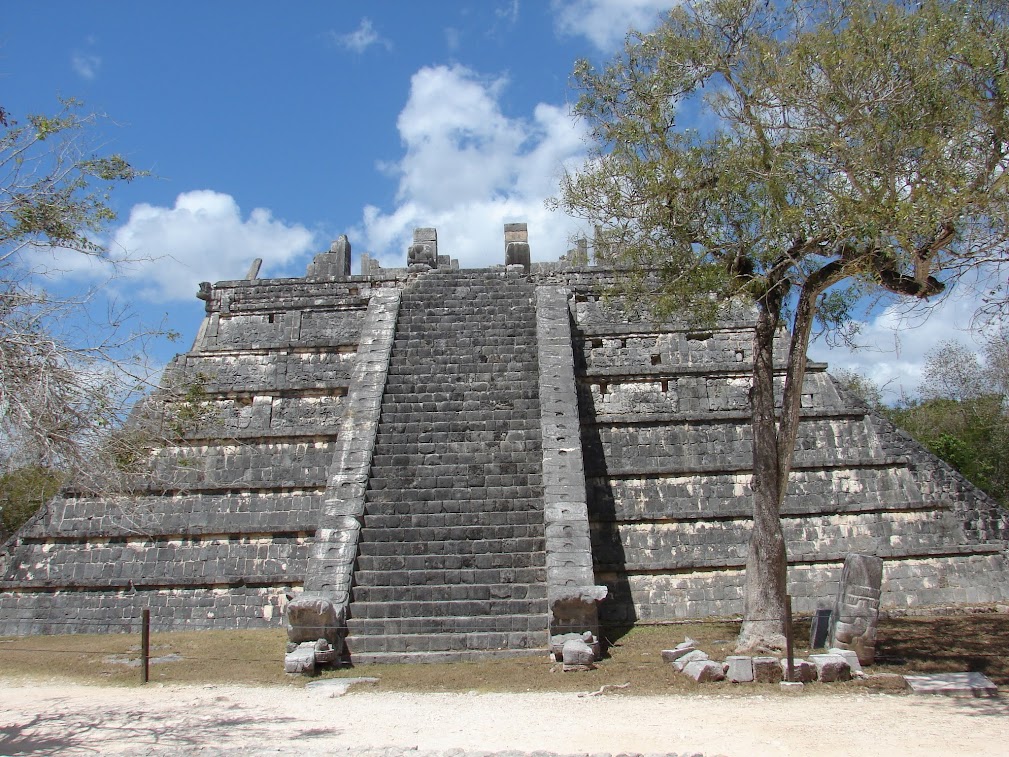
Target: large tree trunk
x,y
766,563
766,588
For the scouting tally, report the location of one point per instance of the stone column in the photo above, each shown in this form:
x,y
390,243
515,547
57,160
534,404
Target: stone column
x,y
517,245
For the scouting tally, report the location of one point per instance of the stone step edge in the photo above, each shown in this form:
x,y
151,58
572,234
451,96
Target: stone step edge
x,y
745,513
353,623
282,581
713,566
475,655
661,471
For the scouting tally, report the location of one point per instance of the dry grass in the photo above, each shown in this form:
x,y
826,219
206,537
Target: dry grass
x,y
909,645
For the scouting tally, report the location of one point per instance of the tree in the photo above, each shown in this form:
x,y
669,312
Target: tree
x,y
845,148
22,493
962,415
66,367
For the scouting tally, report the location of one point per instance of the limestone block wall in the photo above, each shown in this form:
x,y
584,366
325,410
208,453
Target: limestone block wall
x,y
667,447
218,535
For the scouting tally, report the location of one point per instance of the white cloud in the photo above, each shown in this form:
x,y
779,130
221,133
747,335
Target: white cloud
x,y
86,65
361,38
893,343
469,168
203,237
605,23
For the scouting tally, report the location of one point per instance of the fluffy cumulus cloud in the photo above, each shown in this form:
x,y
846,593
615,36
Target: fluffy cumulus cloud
x,y
202,237
893,343
605,23
468,168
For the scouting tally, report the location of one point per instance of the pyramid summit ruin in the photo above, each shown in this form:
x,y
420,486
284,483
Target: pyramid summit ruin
x,y
467,461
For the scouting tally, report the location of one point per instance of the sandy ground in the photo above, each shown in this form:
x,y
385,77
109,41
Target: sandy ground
x,y
71,719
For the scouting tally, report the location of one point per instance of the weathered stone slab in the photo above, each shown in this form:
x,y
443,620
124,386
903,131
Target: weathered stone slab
x,y
336,687
704,671
953,684
850,657
301,660
695,656
856,609
739,668
819,628
672,655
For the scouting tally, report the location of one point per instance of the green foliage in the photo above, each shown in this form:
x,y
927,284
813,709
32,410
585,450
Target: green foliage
x,y
855,141
22,493
862,387
56,191
190,409
972,435
962,415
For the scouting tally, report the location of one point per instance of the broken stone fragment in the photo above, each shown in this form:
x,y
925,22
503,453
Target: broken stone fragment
x,y
696,656
672,655
766,670
850,655
577,655
301,660
325,653
557,644
704,671
831,667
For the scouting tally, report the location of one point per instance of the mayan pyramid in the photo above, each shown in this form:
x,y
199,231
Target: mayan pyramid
x,y
462,458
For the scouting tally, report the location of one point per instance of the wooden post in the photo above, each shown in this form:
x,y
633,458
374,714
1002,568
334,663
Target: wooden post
x,y
788,637
145,645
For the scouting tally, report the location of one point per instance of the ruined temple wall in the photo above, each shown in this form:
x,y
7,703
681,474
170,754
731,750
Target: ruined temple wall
x,y
231,502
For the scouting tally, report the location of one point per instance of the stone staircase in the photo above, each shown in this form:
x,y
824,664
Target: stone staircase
x,y
451,561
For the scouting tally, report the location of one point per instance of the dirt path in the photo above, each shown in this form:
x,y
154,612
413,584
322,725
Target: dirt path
x,y
216,720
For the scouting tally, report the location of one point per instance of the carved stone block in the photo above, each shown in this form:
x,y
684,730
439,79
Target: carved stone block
x,y
856,609
311,617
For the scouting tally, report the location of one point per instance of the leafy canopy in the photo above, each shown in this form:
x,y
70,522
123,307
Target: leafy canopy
x,y
837,140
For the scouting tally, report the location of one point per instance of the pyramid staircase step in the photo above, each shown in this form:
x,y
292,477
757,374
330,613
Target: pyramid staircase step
x,y
451,560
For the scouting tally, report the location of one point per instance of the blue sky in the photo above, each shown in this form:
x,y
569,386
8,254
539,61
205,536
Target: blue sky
x,y
271,129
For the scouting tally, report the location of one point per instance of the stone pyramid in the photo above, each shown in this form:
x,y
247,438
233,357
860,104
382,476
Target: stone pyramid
x,y
469,461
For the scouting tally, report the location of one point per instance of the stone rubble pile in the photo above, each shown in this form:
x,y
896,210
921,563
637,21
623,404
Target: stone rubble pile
x,y
834,665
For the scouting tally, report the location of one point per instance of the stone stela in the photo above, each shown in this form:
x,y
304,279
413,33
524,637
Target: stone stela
x,y
428,463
